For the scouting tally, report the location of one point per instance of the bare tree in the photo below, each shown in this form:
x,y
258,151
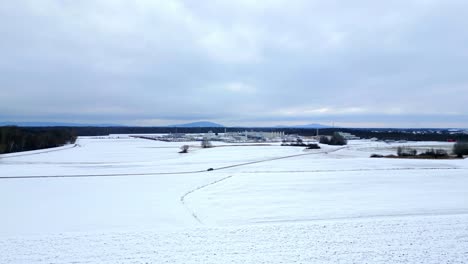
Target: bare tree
x,y
404,151
460,149
206,143
184,149
324,140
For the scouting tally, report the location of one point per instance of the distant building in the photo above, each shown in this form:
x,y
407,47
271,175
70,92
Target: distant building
x,y
255,136
348,136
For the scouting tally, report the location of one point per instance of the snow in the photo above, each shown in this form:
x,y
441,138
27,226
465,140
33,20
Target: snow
x,y
278,197
435,239
127,200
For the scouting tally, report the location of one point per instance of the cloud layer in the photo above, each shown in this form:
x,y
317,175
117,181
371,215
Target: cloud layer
x,y
355,63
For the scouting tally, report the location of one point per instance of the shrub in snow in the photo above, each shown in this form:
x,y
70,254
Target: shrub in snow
x,y
312,146
460,149
436,153
406,151
324,140
184,149
206,143
336,139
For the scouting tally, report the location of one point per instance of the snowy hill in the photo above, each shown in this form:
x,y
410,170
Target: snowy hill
x,y
313,126
199,124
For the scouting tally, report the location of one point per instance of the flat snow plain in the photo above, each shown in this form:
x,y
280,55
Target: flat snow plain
x,y
127,200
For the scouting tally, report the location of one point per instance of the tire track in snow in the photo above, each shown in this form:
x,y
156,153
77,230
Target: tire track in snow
x,y
192,212
183,197
200,171
99,175
278,158
362,217
357,170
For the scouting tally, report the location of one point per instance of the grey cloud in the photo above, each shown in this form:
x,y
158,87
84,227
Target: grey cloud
x,y
234,61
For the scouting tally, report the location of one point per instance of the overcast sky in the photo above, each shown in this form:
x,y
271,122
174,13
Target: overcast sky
x,y
363,63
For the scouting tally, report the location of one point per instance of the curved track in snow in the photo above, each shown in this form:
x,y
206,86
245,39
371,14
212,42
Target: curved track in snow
x,y
182,198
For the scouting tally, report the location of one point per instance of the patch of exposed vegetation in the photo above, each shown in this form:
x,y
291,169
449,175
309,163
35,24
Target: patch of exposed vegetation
x,y
300,143
336,139
404,152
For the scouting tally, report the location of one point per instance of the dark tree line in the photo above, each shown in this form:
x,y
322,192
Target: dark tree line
x,y
408,134
15,139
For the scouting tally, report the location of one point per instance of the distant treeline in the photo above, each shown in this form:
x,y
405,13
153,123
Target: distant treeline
x,y
15,139
408,134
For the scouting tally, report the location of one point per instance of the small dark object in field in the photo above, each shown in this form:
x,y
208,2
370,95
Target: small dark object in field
x,y
308,146
313,146
184,149
376,156
210,169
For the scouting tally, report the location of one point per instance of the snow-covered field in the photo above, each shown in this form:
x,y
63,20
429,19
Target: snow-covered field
x,y
126,200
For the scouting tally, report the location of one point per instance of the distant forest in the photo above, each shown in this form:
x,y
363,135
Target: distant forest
x,y
14,139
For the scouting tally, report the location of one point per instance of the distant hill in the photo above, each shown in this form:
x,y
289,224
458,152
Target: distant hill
x,y
312,126
187,125
54,124
199,124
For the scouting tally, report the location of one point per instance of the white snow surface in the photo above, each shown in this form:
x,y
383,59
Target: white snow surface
x,y
127,200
